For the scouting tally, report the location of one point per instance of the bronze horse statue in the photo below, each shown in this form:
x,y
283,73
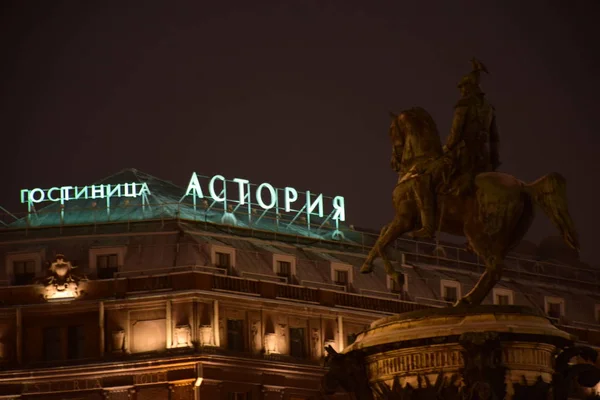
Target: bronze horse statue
x,y
494,216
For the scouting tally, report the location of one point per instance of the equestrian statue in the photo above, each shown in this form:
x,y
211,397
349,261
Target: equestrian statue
x,y
455,188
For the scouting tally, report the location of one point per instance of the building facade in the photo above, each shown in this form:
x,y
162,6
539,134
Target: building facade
x,y
155,295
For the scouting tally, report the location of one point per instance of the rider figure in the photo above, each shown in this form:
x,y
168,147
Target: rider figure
x,y
471,148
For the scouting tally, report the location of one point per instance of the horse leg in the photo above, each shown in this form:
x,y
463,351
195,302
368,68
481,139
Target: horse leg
x,y
403,222
390,270
487,281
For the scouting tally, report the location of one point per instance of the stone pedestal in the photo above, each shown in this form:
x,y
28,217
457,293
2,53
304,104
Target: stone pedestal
x,y
479,353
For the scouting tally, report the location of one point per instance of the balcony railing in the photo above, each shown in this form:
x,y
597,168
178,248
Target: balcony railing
x,y
235,284
376,303
300,293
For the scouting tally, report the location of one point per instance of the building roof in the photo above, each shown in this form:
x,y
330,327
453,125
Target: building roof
x,y
165,200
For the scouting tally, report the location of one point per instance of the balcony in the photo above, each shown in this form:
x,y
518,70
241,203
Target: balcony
x,y
189,278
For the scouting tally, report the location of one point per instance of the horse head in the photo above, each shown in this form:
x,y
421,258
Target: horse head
x,y
415,136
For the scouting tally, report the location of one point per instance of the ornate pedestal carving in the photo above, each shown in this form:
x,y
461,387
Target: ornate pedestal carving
x,y
479,353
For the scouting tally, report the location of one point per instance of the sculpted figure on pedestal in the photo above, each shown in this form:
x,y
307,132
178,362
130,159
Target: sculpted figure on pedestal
x,y
458,192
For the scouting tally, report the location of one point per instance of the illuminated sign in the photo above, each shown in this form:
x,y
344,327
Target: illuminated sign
x,y
208,194
266,196
66,193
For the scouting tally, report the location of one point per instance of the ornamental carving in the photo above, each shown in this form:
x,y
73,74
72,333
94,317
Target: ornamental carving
x,y
426,359
61,282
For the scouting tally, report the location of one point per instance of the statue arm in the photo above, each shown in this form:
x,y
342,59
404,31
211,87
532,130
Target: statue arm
x,y
458,122
494,145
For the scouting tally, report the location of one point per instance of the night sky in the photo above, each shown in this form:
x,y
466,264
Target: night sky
x,y
294,94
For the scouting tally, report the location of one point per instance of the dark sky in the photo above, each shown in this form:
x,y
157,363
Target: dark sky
x,y
293,94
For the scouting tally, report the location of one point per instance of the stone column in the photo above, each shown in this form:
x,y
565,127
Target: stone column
x,y
340,323
169,323
101,328
215,323
19,334
127,344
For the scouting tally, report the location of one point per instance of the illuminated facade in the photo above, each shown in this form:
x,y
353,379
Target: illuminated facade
x,y
175,293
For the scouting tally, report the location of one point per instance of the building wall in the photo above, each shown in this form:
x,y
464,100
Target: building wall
x,y
172,324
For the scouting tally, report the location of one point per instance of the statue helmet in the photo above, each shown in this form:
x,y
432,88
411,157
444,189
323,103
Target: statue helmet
x,y
473,77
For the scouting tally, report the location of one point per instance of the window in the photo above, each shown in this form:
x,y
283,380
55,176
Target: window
x,y
554,310
554,307
503,297
284,266
341,274
235,334
107,265
394,287
22,268
222,260
75,342
52,343
284,269
450,294
106,261
223,257
297,343
502,300
24,272
341,278
450,290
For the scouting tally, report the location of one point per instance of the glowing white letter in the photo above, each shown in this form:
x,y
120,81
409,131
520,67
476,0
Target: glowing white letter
x,y
242,183
259,196
145,189
54,189
194,187
339,206
64,193
211,188
83,192
36,190
291,195
97,192
318,202
110,192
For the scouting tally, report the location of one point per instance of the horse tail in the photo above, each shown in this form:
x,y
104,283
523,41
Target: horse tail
x,y
550,193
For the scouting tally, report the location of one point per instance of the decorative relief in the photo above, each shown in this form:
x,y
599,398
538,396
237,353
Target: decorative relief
x,y
271,343
414,361
315,341
118,340
282,340
206,335
183,336
61,284
255,340
537,357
